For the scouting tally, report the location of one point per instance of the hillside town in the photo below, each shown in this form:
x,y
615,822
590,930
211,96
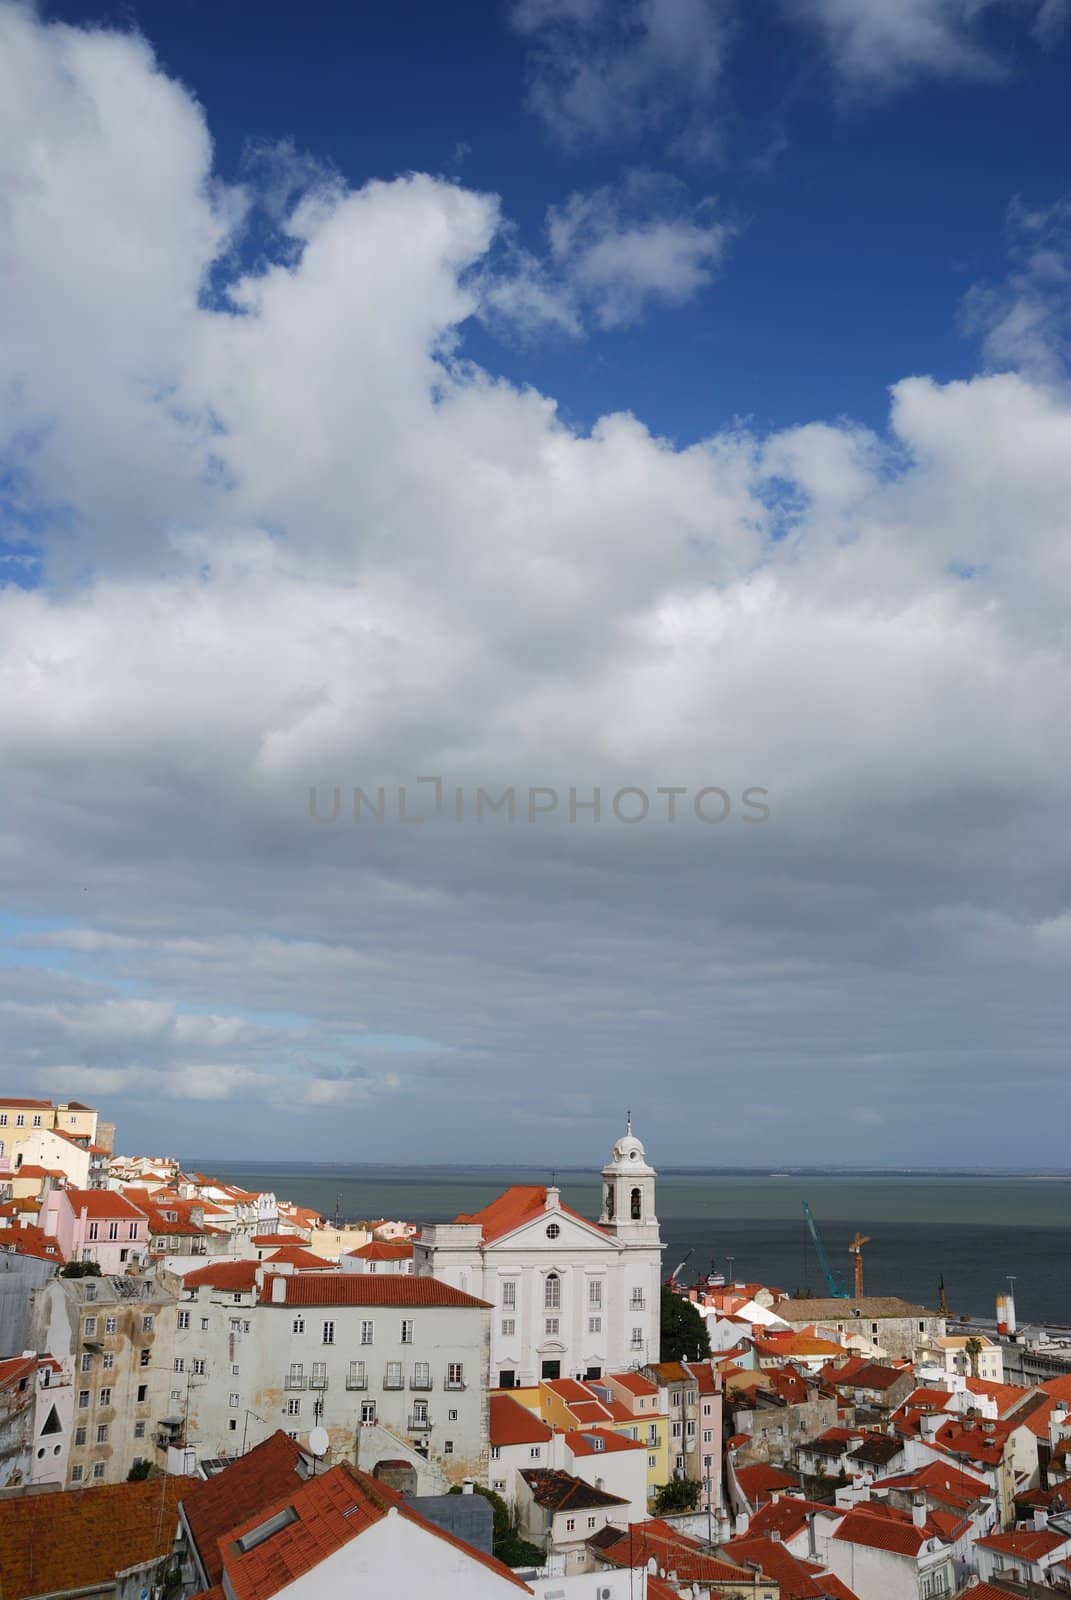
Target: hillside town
x,y
208,1392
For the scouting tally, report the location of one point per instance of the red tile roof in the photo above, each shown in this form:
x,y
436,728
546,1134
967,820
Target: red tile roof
x,y
512,1423
975,1438
635,1383
384,1250
328,1513
273,1241
367,1289
56,1543
240,1277
102,1205
295,1255
516,1206
599,1441
943,1482
245,1489
672,1552
1030,1544
17,1370
759,1481
798,1579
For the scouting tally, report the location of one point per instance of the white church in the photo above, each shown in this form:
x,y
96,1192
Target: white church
x,y
571,1298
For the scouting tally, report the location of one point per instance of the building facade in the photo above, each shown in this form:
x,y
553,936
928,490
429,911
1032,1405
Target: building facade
x,y
572,1298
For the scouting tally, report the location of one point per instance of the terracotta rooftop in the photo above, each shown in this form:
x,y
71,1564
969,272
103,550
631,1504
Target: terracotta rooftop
x,y
759,1481
1029,1544
102,1205
384,1250
367,1289
240,1277
79,1540
242,1491
325,1514
671,1550
512,1423
516,1206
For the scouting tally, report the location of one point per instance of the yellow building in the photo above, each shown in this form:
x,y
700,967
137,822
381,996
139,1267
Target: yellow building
x,y
626,1403
18,1120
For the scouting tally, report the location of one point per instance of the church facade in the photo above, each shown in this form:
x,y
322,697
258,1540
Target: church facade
x,y
571,1298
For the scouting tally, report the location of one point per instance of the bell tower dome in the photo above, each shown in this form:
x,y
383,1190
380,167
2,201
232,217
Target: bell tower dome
x,y
628,1192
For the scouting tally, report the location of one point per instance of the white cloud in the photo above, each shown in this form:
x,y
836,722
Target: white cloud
x,y
618,69
639,241
611,253
876,43
1025,322
323,548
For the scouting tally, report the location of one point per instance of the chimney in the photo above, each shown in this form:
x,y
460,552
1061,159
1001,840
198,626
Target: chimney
x,y
1041,1520
278,1290
553,1199
743,1521
775,1535
929,1424
812,1542
466,1486
918,1510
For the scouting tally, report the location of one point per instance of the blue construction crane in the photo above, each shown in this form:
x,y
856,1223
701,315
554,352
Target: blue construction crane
x,y
836,1285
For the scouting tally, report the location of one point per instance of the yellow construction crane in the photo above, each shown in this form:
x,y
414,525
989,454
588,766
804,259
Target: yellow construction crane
x,y
855,1249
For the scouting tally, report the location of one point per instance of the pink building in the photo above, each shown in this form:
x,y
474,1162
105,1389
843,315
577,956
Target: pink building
x,y
97,1225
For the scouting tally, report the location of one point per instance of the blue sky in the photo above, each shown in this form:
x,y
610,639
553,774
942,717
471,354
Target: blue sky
x,y
560,393
864,213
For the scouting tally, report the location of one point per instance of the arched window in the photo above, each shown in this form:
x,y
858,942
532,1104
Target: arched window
x,y
610,1201
637,1205
552,1292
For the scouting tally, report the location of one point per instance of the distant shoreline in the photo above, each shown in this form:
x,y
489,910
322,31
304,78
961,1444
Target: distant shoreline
x,y
1020,1174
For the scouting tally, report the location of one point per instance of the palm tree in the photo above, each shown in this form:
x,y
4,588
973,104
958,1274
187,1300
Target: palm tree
x,y
973,1348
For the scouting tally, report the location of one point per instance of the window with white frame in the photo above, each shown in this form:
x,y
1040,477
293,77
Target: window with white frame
x,y
298,1325
552,1292
234,1400
594,1324
509,1327
455,1375
368,1332
509,1295
595,1293
407,1330
329,1333
183,1319
392,1378
293,1408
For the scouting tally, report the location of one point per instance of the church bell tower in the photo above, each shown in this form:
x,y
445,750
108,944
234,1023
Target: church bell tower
x,y
628,1193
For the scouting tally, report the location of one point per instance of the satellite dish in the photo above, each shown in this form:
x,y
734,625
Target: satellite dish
x,y
319,1442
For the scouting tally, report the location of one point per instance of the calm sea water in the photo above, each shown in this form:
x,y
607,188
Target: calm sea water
x,y
973,1231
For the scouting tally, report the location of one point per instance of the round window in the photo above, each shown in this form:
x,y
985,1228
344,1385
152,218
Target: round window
x,y
553,1230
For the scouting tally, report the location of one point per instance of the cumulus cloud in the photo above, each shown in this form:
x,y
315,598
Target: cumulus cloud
x,y
878,44
293,537
612,253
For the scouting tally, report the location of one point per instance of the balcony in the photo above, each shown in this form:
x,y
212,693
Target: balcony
x,y
292,1382
454,1383
394,1383
420,1383
419,1424
318,1382
356,1380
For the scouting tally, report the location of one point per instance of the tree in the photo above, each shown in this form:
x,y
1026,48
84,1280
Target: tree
x,y
684,1333
81,1269
679,1494
139,1471
973,1348
508,1546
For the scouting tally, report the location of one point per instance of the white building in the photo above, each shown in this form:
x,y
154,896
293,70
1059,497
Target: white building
x,y
572,1298
389,1366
